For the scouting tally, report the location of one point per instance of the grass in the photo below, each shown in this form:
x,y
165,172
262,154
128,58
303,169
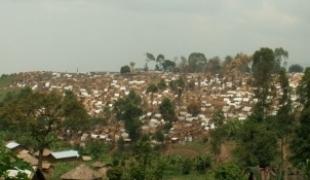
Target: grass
x,y
191,177
61,168
188,150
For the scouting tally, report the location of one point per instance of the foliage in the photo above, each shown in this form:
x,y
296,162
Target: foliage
x,y
304,89
114,173
229,171
38,116
218,118
96,149
167,110
62,167
128,109
280,56
76,117
197,62
214,65
257,144
178,87
125,69
151,89
8,161
168,65
300,145
159,136
228,131
194,108
186,166
296,68
162,85
202,163
263,66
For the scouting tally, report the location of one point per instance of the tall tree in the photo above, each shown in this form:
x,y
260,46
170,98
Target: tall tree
x,y
152,89
257,145
300,145
168,65
281,56
158,60
282,124
178,87
76,117
197,62
167,110
214,65
128,109
263,66
132,66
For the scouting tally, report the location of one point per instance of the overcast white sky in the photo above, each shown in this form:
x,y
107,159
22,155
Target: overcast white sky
x,y
94,35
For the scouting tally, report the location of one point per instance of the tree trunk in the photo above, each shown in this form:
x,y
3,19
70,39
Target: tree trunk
x,y
152,99
40,160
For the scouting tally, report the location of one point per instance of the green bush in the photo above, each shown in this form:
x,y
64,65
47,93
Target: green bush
x,y
202,163
186,166
229,171
115,173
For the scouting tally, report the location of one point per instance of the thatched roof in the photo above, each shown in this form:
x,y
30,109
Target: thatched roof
x,y
28,158
25,156
81,172
46,152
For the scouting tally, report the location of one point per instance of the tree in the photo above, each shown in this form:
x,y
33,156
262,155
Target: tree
x,y
168,65
167,110
263,66
280,56
178,87
158,60
183,65
282,123
128,109
197,62
38,114
300,145
304,89
162,85
125,69
214,65
296,68
151,89
218,118
194,108
76,117
257,145
132,66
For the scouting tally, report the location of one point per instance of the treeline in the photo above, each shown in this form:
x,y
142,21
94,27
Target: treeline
x,y
268,145
197,62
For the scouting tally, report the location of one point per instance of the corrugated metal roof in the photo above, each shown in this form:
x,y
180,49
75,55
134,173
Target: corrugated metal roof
x,y
12,145
66,154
